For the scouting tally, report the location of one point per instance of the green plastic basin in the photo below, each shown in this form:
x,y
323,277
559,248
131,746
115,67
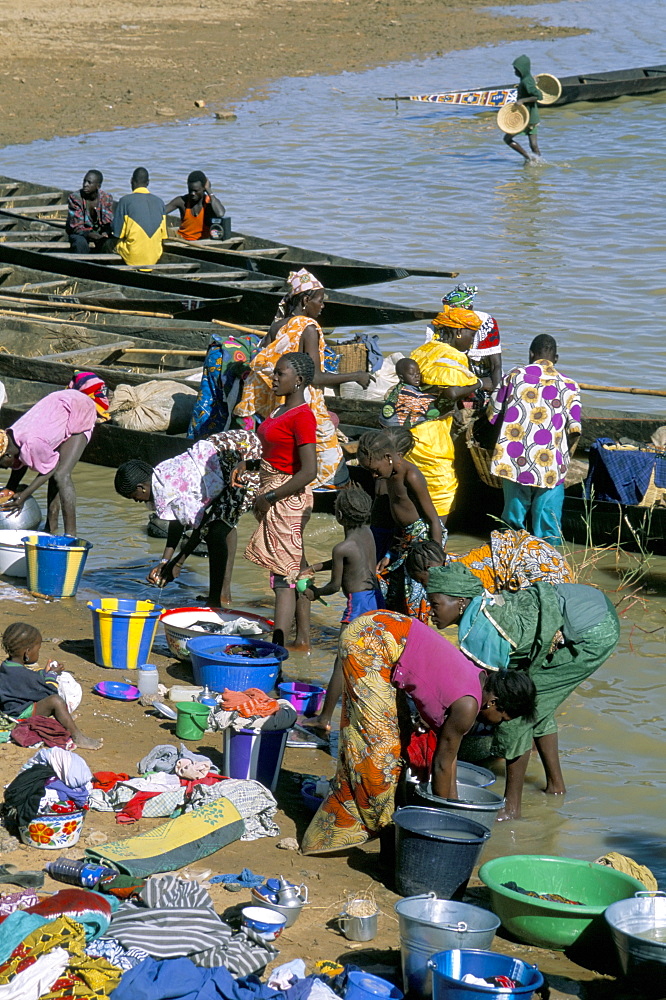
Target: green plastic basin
x,y
554,925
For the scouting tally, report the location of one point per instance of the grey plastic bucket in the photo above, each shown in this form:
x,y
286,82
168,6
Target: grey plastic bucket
x,y
435,851
479,804
429,925
642,959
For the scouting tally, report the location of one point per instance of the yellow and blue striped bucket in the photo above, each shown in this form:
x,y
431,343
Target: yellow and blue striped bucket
x,y
54,564
123,631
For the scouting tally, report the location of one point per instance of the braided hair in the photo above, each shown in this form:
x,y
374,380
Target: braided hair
x,y
422,555
18,637
302,364
353,507
130,475
515,693
375,444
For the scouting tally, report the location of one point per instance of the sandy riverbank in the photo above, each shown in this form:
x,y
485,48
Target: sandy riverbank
x,y
130,731
70,67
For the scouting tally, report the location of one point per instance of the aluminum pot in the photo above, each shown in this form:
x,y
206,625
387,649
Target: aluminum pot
x,y
429,925
638,929
30,517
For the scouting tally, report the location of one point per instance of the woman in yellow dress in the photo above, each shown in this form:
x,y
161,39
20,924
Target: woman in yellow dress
x,y
445,371
295,329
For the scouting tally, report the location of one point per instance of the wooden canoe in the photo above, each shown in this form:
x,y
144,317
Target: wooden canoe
x,y
584,87
201,299
253,253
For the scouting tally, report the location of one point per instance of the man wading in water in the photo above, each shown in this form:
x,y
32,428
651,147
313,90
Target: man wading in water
x,y
528,94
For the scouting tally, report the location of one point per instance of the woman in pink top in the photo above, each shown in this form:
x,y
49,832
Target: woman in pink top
x,y
50,439
381,652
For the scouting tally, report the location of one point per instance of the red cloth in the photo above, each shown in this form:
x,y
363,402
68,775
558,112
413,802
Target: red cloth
x,y
70,903
106,780
39,729
281,436
420,751
133,810
210,779
250,703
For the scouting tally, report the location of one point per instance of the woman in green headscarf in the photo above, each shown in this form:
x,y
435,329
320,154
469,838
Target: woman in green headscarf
x,y
529,95
560,633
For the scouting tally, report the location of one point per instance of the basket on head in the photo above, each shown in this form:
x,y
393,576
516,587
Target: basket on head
x,y
550,87
513,118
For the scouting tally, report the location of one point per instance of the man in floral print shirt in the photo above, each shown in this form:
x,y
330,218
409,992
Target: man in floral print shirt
x,y
538,410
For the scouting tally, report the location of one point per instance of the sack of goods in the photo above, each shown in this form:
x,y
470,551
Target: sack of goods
x,y
153,406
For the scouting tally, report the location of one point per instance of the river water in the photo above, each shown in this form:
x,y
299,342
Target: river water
x,y
572,247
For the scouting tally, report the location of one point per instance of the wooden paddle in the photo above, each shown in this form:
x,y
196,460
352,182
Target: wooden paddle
x,y
622,388
76,306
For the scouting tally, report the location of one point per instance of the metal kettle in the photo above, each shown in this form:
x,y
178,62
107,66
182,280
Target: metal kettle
x,y
287,893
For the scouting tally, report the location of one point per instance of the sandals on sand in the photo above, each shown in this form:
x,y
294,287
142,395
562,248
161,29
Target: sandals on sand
x,y
27,880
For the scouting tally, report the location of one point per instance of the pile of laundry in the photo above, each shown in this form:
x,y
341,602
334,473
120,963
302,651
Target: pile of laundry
x,y
251,709
174,781
55,782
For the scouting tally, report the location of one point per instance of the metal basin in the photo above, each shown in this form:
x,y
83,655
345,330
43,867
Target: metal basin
x,y
429,925
638,929
479,804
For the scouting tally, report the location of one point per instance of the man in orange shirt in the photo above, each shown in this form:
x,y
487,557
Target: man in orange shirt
x,y
197,208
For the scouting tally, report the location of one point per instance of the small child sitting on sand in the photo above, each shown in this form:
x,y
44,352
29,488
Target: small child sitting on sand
x,y
25,692
353,569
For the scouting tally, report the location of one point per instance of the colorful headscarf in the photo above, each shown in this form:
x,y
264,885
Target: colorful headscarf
x,y
299,282
462,295
4,443
454,580
302,281
95,387
457,319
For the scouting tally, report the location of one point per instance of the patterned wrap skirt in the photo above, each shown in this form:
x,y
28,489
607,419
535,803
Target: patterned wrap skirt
x,y
277,542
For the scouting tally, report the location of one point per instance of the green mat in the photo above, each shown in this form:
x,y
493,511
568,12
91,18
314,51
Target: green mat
x,y
176,843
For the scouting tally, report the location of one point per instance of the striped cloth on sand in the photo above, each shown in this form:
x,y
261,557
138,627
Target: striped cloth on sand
x,y
176,919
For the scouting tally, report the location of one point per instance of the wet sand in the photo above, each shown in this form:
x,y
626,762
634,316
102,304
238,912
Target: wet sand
x,y
70,67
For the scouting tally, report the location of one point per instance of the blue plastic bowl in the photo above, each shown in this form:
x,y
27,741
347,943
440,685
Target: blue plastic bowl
x,y
219,669
268,924
448,968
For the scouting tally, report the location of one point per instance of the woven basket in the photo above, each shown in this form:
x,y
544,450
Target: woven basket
x,y
353,357
550,87
655,496
481,458
513,118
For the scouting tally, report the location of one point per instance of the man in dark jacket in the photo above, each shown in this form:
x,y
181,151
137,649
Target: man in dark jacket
x,y
528,94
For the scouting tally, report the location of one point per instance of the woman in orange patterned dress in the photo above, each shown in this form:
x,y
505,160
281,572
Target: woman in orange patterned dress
x,y
380,652
295,328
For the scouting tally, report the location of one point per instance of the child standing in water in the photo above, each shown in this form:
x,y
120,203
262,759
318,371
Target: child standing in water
x,y
353,569
383,454
25,692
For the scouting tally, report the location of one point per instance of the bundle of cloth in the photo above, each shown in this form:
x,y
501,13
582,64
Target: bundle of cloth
x,y
53,782
252,709
174,781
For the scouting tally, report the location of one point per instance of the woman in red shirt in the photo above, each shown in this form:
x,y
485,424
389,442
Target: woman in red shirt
x,y
284,502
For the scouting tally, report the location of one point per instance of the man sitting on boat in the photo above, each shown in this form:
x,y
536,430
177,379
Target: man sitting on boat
x,y
90,216
139,224
197,208
528,94
537,410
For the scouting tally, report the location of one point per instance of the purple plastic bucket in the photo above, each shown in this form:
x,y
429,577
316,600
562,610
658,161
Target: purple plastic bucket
x,y
307,699
253,753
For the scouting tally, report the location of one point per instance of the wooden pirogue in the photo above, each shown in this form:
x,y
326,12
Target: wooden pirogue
x,y
246,303
478,505
583,87
253,253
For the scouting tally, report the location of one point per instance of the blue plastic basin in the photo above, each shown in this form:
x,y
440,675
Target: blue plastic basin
x,y
219,669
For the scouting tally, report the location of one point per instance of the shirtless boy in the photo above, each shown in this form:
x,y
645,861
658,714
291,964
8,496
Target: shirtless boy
x,y
383,454
353,570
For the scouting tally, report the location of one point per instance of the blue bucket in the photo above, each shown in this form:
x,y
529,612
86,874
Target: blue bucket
x,y
448,968
123,631
214,666
307,699
54,564
364,986
254,754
